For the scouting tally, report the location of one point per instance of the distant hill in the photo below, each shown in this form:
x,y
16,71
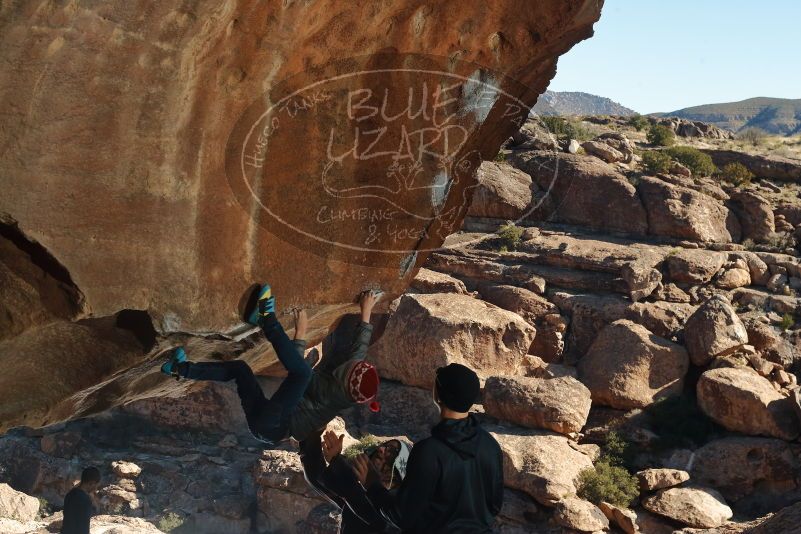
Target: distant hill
x,y
575,103
780,116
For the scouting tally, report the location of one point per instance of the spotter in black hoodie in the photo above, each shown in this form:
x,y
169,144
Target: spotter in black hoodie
x,y
454,482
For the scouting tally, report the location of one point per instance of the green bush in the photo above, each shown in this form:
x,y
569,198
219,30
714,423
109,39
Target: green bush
x,y
511,236
567,128
781,240
787,321
170,521
699,163
500,156
366,442
736,173
660,135
752,136
638,122
679,422
609,483
656,161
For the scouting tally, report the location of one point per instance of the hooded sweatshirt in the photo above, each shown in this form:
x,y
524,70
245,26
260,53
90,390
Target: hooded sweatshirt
x,y
327,393
454,482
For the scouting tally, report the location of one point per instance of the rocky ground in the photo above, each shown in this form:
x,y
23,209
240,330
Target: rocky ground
x,y
645,321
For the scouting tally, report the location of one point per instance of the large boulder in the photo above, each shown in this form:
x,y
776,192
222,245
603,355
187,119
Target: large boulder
x,y
763,469
543,464
524,302
537,310
534,135
428,281
17,505
234,143
580,515
683,213
642,279
629,367
656,479
503,192
713,330
694,266
603,151
282,494
755,213
582,191
741,400
560,404
429,331
693,506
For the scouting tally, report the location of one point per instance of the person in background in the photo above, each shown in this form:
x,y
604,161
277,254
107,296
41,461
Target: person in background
x,y
80,504
454,479
328,471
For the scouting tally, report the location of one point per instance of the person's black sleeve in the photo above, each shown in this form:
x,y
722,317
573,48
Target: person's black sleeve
x,y
86,509
405,508
361,340
313,462
496,502
340,478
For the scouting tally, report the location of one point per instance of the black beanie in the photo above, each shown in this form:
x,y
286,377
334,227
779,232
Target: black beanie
x,y
458,387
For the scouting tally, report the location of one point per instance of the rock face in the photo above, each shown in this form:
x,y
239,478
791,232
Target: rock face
x,y
165,107
542,464
694,266
281,485
629,367
580,515
428,281
742,400
503,192
769,167
559,404
655,479
429,331
696,507
758,469
713,330
583,191
755,214
16,505
683,213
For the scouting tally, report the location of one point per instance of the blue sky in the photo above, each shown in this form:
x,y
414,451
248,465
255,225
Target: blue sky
x,y
664,55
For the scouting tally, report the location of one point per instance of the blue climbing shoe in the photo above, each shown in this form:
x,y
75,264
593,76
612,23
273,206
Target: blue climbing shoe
x,y
262,307
178,356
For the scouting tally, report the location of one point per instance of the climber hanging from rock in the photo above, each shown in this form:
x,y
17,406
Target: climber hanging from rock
x,y
307,400
332,475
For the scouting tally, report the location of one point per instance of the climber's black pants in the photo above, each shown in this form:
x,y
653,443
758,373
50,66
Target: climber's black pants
x,y
268,419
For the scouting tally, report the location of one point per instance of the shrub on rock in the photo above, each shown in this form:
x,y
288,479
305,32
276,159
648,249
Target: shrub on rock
x,y
608,483
736,173
699,163
656,161
660,135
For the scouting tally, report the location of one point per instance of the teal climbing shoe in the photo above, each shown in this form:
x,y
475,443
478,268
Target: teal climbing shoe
x,y
178,356
264,305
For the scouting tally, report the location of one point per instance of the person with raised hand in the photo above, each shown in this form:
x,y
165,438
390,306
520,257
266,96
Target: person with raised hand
x,y
307,400
454,479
